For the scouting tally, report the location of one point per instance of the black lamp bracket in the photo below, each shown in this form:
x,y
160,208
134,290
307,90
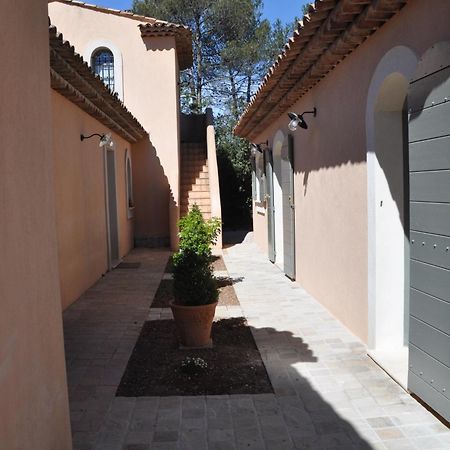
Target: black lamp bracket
x,y
83,137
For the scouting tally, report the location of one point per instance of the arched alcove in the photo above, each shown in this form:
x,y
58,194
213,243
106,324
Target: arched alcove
x,y
387,187
391,232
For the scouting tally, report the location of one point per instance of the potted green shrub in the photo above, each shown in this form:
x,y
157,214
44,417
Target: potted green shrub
x,y
195,289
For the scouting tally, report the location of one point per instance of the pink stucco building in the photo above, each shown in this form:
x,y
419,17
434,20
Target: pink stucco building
x,y
91,166
356,207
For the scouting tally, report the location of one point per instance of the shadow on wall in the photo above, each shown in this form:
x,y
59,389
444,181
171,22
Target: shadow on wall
x,y
164,43
152,196
398,105
330,140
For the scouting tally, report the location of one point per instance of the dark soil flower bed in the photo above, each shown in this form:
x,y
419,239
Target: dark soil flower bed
x,y
217,264
158,367
227,296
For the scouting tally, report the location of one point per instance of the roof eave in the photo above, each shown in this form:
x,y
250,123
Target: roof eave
x,y
330,31
183,40
72,78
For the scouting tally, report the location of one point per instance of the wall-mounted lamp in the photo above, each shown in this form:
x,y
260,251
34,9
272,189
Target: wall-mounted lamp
x,y
105,139
255,148
298,121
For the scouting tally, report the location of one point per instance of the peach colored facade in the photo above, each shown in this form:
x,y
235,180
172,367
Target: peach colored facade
x,y
34,411
80,188
149,80
74,208
333,231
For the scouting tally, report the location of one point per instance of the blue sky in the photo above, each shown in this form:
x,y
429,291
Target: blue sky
x,y
286,10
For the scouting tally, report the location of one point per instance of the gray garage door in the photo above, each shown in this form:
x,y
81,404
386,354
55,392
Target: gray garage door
x,y
287,177
429,166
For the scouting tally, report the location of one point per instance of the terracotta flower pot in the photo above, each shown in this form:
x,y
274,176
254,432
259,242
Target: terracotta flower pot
x,y
194,323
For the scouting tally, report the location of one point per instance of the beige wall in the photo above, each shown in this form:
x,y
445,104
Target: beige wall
x,y
213,170
80,198
150,77
33,392
260,226
151,212
330,167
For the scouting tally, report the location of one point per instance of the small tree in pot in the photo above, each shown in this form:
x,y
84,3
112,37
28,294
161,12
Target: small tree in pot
x,y
195,288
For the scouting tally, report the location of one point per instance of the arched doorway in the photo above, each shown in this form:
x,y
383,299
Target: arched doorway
x,y
388,212
391,221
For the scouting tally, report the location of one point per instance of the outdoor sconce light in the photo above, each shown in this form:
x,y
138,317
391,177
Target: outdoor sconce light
x,y
298,121
255,148
105,139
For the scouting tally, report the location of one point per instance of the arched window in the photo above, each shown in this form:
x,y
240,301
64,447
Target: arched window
x,y
129,184
102,63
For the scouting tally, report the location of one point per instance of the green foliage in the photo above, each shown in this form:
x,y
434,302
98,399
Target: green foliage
x,y
194,283
233,157
305,7
233,47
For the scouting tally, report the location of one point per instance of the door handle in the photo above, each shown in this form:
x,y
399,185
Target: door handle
x,y
291,203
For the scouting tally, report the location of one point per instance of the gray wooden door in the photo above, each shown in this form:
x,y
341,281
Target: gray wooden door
x,y
113,228
287,176
270,205
429,177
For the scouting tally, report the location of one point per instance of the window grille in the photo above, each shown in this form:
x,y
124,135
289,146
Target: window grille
x,y
103,65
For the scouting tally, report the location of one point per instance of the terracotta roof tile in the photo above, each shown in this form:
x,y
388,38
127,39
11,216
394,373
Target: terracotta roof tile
x,y
72,77
183,39
150,27
330,31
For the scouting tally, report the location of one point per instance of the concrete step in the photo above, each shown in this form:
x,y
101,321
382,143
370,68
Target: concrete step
x,y
203,208
197,153
191,177
202,182
193,145
198,201
194,149
193,167
198,195
190,187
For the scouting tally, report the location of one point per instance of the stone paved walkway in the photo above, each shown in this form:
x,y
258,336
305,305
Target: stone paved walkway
x,y
328,393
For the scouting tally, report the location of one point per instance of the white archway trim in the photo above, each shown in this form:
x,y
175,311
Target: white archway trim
x,y
279,141
129,184
118,65
401,60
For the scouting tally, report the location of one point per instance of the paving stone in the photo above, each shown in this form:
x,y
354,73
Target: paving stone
x,y
165,436
389,433
217,434
328,393
380,422
139,438
193,440
221,445
136,447
165,446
